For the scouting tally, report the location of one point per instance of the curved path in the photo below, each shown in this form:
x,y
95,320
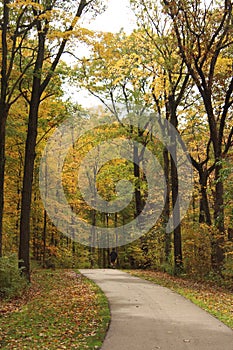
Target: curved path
x,y
145,316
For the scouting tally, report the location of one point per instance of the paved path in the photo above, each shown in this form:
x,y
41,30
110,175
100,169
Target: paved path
x,y
145,316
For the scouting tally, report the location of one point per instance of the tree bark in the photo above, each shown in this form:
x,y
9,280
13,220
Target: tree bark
x,y
2,168
137,191
4,109
24,246
178,259
204,213
44,236
166,210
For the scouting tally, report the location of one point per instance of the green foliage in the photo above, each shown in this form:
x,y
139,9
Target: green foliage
x,y
11,282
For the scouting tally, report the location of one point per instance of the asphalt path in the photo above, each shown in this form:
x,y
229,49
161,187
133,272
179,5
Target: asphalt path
x,y
145,316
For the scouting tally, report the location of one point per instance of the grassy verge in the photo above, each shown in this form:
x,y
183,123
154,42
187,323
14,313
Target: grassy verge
x,y
61,310
216,300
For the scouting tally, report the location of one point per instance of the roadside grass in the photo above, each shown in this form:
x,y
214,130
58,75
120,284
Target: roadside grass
x,y
216,300
61,310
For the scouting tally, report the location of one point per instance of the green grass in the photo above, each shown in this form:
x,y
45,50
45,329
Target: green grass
x,y
62,310
214,299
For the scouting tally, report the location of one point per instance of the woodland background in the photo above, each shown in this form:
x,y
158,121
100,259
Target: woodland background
x,y
177,63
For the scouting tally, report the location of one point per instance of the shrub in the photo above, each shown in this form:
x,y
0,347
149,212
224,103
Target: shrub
x,y
12,283
197,250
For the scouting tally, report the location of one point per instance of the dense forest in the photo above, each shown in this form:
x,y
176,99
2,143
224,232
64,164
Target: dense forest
x,y
177,65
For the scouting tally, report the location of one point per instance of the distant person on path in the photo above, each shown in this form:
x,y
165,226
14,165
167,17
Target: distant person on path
x,y
113,258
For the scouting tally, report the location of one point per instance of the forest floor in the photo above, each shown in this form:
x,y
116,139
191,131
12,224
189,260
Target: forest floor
x,y
216,300
60,310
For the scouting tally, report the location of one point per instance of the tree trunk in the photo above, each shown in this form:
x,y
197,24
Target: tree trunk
x,y
219,203
166,210
204,213
137,191
24,251
44,238
92,238
4,109
24,245
176,214
217,249
2,168
178,260
217,242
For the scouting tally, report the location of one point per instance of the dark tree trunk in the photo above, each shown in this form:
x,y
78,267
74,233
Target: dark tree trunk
x,y
217,146
24,245
230,233
4,109
44,236
204,213
178,260
2,168
217,242
92,237
137,191
219,203
24,250
176,215
166,211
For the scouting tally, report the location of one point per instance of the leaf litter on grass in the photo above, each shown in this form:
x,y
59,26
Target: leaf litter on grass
x,y
66,312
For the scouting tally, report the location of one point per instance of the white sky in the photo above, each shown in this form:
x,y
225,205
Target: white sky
x,y
117,16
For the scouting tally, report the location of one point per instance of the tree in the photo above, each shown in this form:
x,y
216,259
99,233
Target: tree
x,y
203,34
115,75
11,41
169,84
41,78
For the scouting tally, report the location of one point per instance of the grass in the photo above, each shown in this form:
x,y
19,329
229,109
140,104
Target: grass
x,y
216,300
61,310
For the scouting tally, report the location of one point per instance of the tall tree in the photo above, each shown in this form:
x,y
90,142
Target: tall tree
x,y
203,33
41,78
170,80
13,36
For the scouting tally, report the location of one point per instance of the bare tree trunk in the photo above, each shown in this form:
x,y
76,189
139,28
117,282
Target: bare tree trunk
x,y
166,210
178,259
44,238
176,214
204,213
137,191
2,169
24,245
4,109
